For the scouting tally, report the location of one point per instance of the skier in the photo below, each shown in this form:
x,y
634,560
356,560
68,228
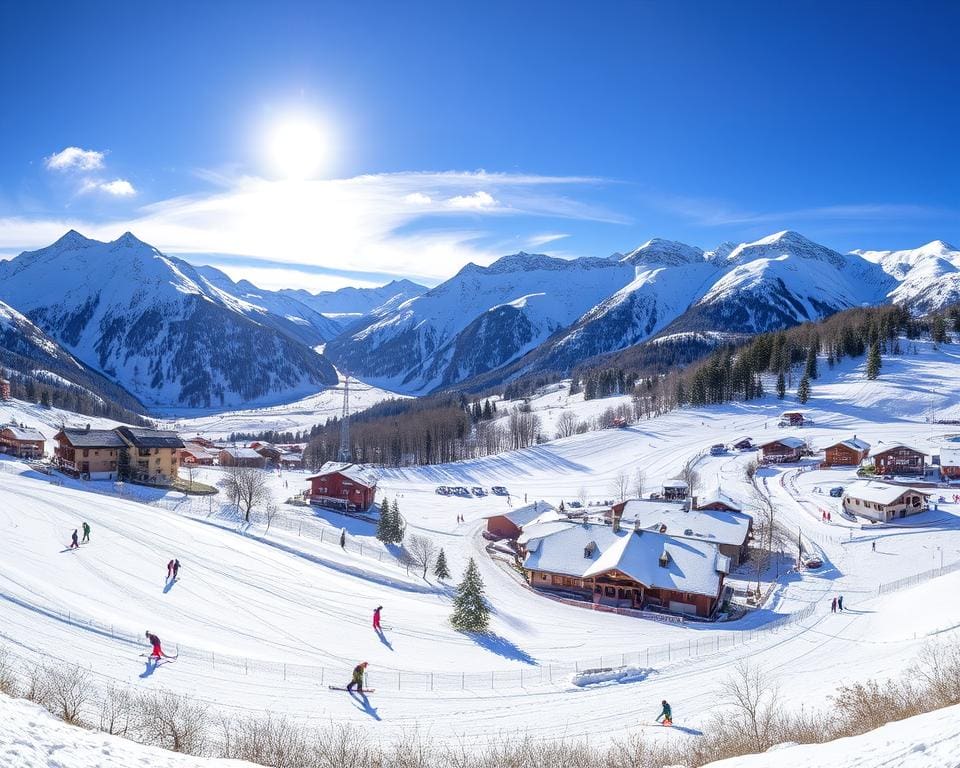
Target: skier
x,y
156,651
176,569
170,570
357,679
873,546
74,544
376,617
840,603
665,713
833,606
343,538
86,533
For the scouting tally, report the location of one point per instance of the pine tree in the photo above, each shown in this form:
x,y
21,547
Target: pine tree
x,y
440,569
781,386
487,410
803,391
396,524
938,330
874,363
384,523
811,369
470,610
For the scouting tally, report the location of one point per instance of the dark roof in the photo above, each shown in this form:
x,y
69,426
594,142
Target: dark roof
x,y
93,438
139,437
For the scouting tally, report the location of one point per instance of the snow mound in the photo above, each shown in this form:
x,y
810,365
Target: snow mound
x,y
628,674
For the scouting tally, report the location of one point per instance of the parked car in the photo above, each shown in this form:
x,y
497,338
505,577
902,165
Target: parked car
x,y
499,490
813,562
443,490
718,450
461,490
836,491
478,491
575,505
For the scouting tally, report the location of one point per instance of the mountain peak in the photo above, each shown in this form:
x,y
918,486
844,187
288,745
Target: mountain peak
x,y
128,240
73,239
662,252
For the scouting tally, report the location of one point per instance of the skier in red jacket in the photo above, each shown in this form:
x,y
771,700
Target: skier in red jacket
x,y
157,652
376,617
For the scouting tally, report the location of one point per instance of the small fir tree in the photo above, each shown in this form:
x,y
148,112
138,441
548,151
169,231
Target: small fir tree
x,y
874,363
781,386
938,330
803,391
811,368
384,523
470,610
440,569
396,524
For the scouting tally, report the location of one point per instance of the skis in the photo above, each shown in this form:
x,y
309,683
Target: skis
x,y
354,690
159,658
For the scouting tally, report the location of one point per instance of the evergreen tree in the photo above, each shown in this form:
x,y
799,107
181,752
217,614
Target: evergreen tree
x,y
938,330
45,399
811,369
956,320
396,524
487,410
440,569
384,523
874,362
803,391
470,610
781,386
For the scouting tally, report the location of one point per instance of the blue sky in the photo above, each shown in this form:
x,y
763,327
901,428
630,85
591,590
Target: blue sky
x,y
451,132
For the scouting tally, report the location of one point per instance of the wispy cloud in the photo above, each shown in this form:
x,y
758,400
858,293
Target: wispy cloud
x,y
117,187
537,241
74,158
400,223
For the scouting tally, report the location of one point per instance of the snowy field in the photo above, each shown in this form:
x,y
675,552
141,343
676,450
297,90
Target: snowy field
x,y
264,621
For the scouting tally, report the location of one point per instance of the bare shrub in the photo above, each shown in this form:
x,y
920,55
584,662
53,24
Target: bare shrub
x,y
8,676
172,722
938,671
344,746
247,488
36,686
750,470
869,705
116,711
270,740
620,486
67,691
754,709
418,552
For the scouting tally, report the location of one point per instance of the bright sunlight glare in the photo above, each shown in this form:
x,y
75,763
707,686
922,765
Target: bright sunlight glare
x,y
298,148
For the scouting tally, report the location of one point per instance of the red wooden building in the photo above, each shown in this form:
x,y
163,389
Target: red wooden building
x,y
846,453
950,462
352,487
785,449
897,459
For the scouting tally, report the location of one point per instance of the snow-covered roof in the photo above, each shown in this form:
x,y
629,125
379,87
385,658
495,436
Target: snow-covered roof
x,y
879,493
141,437
691,566
854,444
717,496
790,442
529,514
541,528
884,447
950,455
241,453
675,482
93,438
714,525
22,433
359,473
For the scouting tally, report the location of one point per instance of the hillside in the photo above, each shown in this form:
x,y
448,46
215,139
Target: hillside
x,y
156,327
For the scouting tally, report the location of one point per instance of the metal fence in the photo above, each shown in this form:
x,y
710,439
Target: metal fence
x,y
917,578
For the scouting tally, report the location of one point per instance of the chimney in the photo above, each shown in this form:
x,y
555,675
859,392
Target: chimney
x,y
664,559
663,527
616,512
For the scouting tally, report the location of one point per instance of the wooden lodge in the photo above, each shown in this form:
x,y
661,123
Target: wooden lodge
x,y
197,455
510,525
675,490
786,449
350,487
241,457
793,419
898,459
846,453
151,455
92,454
23,442
883,502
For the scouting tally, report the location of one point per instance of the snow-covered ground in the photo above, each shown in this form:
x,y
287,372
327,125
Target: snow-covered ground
x,y
266,621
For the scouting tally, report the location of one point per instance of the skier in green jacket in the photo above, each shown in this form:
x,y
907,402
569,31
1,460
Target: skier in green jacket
x,y
358,672
665,713
86,533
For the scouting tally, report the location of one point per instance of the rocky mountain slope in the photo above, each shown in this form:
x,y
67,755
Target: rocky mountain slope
x,y
156,326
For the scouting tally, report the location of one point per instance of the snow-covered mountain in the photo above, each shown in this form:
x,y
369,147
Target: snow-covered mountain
x,y
28,351
349,303
478,320
157,326
928,277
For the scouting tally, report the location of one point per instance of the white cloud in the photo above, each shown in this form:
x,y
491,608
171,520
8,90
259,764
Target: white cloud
x,y
74,158
418,198
118,187
478,200
535,241
364,224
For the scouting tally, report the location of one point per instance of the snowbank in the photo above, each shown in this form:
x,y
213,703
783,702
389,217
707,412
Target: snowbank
x,y
628,674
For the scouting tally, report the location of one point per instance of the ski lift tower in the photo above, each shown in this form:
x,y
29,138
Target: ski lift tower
x,y
345,454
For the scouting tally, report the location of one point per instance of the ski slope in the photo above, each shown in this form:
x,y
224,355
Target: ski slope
x,y
264,621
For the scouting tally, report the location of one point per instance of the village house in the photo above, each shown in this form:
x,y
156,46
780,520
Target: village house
x,y
4,389
950,462
742,444
291,460
151,455
793,419
92,454
22,442
201,441
197,455
898,459
269,451
338,485
883,502
720,522
846,453
626,568
785,449
241,457
675,489
509,525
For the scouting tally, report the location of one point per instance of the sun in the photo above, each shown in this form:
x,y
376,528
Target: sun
x,y
298,147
